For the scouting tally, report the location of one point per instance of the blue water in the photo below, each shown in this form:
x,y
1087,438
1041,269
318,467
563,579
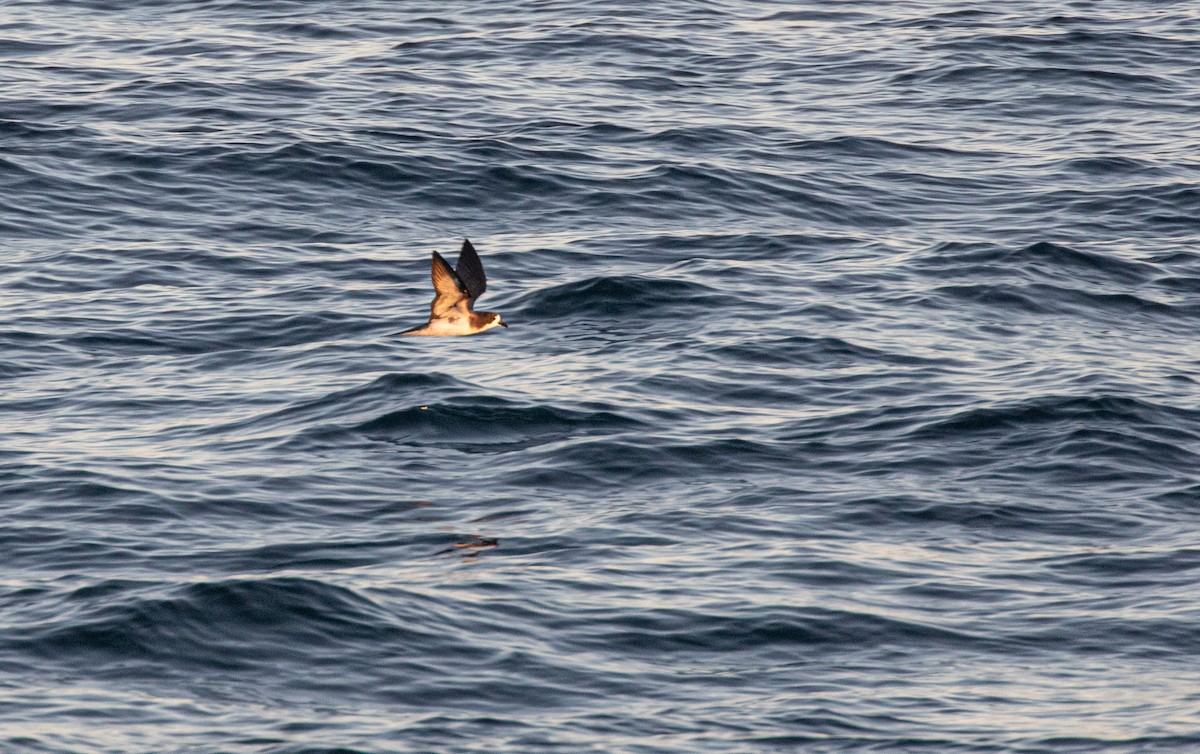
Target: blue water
x,y
850,401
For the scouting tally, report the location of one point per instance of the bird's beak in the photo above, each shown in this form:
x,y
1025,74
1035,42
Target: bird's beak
x,y
503,323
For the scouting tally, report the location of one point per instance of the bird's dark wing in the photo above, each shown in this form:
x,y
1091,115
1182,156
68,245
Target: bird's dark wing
x,y
470,271
448,287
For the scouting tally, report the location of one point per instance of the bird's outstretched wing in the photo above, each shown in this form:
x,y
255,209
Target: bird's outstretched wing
x,y
449,288
470,272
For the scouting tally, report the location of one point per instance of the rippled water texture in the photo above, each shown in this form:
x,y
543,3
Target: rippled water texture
x,y
849,402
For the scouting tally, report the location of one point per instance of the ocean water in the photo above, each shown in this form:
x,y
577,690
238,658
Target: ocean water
x,y
849,404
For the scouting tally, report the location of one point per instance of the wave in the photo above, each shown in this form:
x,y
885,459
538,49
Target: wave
x,y
224,625
221,333
495,425
772,631
1113,411
1042,261
1110,442
1042,299
435,411
828,352
367,399
618,462
618,297
1086,80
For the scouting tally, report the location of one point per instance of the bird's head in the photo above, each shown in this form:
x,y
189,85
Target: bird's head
x,y
490,320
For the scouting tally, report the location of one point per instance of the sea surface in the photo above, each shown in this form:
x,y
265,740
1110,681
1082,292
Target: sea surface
x,y
849,402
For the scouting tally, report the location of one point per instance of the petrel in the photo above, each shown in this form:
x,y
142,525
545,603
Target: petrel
x,y
452,312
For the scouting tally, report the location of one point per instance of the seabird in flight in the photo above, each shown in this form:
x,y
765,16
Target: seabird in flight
x,y
452,311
